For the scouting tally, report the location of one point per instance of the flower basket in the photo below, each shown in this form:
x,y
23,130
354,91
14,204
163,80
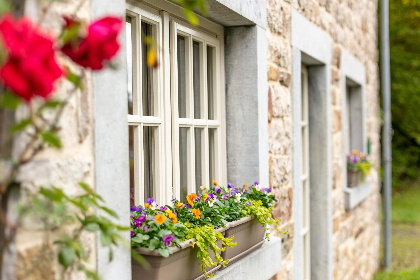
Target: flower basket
x,y
182,264
353,177
249,235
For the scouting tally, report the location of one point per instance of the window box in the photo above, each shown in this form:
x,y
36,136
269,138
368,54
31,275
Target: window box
x,y
182,264
353,177
249,235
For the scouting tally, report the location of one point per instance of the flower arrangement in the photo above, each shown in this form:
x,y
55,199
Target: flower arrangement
x,y
198,218
359,161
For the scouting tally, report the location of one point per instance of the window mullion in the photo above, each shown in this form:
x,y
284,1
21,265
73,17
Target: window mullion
x,y
137,67
139,162
190,114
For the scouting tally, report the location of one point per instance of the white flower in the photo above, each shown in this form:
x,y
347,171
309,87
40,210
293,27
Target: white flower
x,y
238,196
154,205
211,202
257,187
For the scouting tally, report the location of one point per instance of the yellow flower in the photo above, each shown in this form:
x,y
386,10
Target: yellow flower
x,y
205,196
215,183
146,205
174,219
179,205
168,213
197,213
160,219
202,189
190,198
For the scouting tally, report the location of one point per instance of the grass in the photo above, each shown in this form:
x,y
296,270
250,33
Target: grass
x,y
406,206
405,237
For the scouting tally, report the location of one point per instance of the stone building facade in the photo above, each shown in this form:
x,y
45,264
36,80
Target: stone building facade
x,y
267,43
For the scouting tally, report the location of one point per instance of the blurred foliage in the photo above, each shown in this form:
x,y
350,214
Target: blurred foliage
x,y
404,29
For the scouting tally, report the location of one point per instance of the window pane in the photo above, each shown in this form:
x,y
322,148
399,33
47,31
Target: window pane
x,y
147,72
149,160
198,158
197,79
129,46
183,162
212,155
210,82
131,160
182,86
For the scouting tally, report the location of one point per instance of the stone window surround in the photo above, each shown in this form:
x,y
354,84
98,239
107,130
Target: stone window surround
x,y
247,134
353,74
312,46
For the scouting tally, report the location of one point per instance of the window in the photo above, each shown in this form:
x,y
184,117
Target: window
x,y
305,232
353,121
176,140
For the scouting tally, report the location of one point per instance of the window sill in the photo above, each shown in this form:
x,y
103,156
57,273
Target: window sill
x,y
261,264
356,195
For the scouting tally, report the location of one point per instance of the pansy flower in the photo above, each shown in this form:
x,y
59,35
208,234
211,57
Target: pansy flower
x,y
217,189
233,192
230,186
134,208
191,198
160,219
248,203
167,239
196,212
145,228
179,205
238,196
243,190
214,183
225,196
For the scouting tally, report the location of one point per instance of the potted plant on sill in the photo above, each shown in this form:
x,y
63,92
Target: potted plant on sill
x,y
192,240
358,168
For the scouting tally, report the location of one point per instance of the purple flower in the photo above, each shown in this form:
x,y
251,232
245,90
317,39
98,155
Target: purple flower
x,y
134,208
248,202
150,200
243,190
146,228
132,233
211,196
230,186
217,189
187,205
173,200
131,216
256,183
144,213
163,208
233,192
268,190
167,239
225,196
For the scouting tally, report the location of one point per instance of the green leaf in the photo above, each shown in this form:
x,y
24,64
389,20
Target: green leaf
x,y
52,104
20,125
153,244
164,232
70,33
4,6
51,139
92,227
191,17
109,211
74,79
164,252
66,256
8,99
140,259
139,238
110,255
54,195
106,240
85,186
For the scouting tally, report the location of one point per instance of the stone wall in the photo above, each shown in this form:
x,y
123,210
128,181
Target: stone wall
x,y
36,255
352,25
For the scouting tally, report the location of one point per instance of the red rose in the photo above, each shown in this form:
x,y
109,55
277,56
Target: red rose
x,y
99,45
31,68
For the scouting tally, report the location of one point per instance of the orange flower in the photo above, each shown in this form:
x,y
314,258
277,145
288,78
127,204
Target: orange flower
x,y
197,213
168,213
174,220
179,205
246,186
193,244
190,198
146,205
160,219
215,183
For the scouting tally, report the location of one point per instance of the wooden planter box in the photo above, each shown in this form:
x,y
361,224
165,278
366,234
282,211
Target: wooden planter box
x,y
353,177
182,264
249,235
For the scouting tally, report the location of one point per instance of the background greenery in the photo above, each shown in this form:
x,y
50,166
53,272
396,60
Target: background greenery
x,y
404,27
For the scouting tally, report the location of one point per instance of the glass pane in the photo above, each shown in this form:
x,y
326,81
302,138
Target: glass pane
x,y
197,79
147,72
131,160
198,158
149,160
129,46
212,155
183,162
182,86
210,82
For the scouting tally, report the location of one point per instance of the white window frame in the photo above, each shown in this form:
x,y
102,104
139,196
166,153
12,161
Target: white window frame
x,y
305,179
166,119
